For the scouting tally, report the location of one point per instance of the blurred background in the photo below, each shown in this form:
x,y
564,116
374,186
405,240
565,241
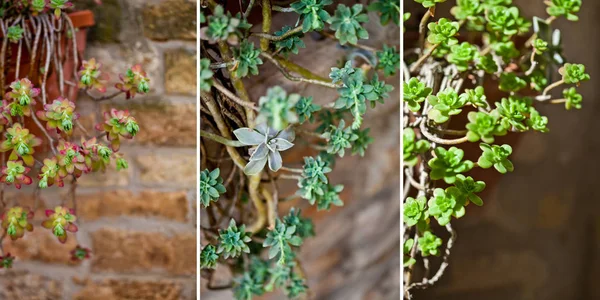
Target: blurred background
x,y
538,234
139,222
355,253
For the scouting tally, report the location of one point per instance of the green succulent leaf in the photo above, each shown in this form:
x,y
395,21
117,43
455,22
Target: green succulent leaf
x,y
443,32
208,257
573,99
446,203
388,60
415,210
407,248
387,10
211,186
313,13
574,73
509,82
496,156
414,92
233,241
567,8
339,138
484,126
445,104
468,187
448,163
462,55
429,244
347,23
277,108
305,108
205,74
412,147
429,3
247,59
290,44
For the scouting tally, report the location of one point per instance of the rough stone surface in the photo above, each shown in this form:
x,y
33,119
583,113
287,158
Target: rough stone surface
x,y
24,285
128,251
41,245
180,72
170,20
147,203
164,124
170,169
125,290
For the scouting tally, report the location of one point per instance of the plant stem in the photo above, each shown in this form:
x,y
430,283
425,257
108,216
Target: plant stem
x,y
550,87
220,139
294,78
423,25
438,140
238,85
261,217
422,59
234,98
249,9
282,9
276,38
266,24
558,101
293,170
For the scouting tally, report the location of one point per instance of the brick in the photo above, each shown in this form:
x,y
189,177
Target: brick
x,y
163,124
170,20
111,177
130,251
180,72
103,31
172,169
41,245
24,285
130,289
168,205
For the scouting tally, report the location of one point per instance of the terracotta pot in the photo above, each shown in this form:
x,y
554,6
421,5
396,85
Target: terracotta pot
x,y
81,21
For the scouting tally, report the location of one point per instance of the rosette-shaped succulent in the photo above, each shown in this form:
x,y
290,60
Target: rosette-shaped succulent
x,y
60,220
80,253
16,221
20,142
6,261
233,240
268,142
133,82
90,76
117,124
60,115
20,97
71,159
211,186
49,173
347,23
98,153
15,172
277,108
447,163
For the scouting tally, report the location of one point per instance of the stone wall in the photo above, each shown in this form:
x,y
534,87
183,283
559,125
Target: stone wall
x,y
537,236
140,223
355,254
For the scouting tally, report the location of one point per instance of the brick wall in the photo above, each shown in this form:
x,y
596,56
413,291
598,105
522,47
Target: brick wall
x,y
140,223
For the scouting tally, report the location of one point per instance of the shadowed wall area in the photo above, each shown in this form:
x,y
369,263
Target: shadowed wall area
x,y
538,234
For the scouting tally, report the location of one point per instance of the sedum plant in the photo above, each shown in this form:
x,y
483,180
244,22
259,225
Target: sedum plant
x,y
246,142
457,92
43,143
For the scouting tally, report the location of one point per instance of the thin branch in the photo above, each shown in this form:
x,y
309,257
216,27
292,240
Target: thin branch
x,y
438,140
233,97
294,78
275,38
220,139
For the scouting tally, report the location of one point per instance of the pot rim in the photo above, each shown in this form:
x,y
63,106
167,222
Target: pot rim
x,y
81,19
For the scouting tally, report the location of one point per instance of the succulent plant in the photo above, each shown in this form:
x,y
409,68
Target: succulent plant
x,y
90,76
60,220
233,241
267,144
15,173
277,108
16,221
211,186
347,23
312,12
60,115
117,124
133,82
21,142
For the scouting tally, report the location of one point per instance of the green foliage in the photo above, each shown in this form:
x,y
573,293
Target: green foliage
x,y
415,210
347,23
314,181
304,226
280,240
574,73
445,104
496,156
475,97
429,3
208,257
408,261
14,33
487,64
540,46
468,187
467,9
387,10
205,75
290,44
573,99
443,32
359,146
414,92
509,82
233,241
537,121
331,196
462,55
412,147
448,163
313,13
506,50
305,108
339,138
446,203
388,60
211,186
429,244
223,27
247,59
567,8
277,109
268,143
484,126
505,21
514,111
